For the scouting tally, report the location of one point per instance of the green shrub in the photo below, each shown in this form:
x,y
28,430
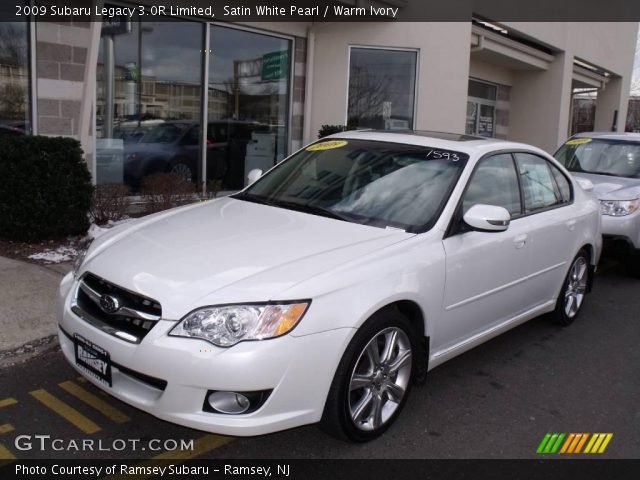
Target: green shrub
x,y
46,188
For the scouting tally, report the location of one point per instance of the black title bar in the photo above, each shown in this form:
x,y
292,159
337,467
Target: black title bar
x,y
547,469
325,10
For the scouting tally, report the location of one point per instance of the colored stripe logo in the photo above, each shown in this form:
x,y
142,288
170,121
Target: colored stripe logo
x,y
561,443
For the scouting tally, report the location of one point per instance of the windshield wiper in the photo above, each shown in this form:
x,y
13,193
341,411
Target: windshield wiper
x,y
298,207
608,174
312,209
251,198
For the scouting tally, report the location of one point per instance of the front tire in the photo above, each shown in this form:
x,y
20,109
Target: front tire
x,y
373,379
574,290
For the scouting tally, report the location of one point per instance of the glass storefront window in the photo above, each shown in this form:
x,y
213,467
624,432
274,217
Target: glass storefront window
x,y
14,79
148,101
149,115
248,105
481,109
381,88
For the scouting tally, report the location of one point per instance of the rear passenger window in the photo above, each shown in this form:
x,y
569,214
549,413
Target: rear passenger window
x,y
563,183
538,183
494,182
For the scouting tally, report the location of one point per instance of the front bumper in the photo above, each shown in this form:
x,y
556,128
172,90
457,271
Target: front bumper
x,y
624,229
298,370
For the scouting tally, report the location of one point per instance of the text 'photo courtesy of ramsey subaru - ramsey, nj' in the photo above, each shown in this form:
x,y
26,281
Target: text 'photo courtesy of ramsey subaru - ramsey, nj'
x,y
329,286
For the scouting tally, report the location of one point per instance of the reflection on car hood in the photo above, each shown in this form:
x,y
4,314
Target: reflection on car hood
x,y
607,187
229,251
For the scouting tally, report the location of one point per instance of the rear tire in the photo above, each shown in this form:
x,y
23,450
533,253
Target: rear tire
x,y
182,170
574,290
373,379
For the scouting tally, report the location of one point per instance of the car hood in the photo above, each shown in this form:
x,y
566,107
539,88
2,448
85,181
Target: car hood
x,y
606,187
228,251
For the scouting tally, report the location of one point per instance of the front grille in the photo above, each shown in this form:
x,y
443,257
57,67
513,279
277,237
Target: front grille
x,y
130,317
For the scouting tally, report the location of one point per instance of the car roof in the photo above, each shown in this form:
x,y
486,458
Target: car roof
x,y
624,136
449,141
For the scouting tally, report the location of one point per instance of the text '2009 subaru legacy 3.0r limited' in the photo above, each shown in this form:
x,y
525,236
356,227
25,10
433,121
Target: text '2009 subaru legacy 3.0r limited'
x,y
327,287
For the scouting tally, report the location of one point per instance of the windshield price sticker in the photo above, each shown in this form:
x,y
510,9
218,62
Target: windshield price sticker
x,y
578,141
327,145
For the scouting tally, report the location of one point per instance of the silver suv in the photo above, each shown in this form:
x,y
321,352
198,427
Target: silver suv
x,y
611,161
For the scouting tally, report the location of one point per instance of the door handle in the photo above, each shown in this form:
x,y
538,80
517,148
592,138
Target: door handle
x,y
520,241
571,225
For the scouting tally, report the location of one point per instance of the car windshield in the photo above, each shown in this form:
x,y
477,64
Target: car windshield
x,y
165,133
600,156
369,182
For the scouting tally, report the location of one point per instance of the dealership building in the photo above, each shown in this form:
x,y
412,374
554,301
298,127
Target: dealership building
x,y
213,100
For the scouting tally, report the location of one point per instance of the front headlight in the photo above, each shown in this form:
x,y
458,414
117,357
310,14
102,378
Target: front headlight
x,y
619,208
227,325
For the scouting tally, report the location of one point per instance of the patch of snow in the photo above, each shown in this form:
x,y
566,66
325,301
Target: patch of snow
x,y
65,253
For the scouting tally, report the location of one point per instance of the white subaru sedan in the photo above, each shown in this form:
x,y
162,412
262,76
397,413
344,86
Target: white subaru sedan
x,y
326,288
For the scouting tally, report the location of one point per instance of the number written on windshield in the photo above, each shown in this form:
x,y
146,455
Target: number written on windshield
x,y
442,155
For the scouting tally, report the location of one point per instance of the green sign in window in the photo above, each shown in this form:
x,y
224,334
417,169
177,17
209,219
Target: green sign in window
x,y
275,65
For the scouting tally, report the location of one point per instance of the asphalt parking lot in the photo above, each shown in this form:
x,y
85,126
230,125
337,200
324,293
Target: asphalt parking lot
x,y
497,401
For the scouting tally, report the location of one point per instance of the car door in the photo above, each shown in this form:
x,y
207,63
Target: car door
x,y
553,217
485,271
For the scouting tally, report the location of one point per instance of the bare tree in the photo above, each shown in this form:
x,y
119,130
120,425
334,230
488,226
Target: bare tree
x,y
367,94
13,100
13,47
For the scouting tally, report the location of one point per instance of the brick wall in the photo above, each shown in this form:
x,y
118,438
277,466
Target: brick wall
x,y
297,105
61,55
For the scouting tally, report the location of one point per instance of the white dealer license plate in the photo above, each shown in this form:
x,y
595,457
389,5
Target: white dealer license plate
x,y
92,359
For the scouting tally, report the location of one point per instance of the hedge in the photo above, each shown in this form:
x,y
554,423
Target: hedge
x,y
45,188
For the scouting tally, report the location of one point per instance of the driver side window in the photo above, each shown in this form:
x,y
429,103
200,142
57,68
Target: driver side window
x,y
494,182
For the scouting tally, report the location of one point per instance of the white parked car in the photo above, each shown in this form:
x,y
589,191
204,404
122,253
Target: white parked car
x,y
611,162
327,287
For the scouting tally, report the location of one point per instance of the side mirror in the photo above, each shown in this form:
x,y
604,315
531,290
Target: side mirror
x,y
585,183
487,218
254,175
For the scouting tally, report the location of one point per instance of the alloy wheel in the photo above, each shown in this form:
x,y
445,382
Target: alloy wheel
x,y
576,287
380,379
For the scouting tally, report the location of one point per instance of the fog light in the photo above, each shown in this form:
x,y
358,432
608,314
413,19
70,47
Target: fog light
x,y
231,403
234,403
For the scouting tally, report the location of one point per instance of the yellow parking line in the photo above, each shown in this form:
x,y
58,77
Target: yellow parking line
x,y
5,454
65,411
95,402
200,447
6,428
7,401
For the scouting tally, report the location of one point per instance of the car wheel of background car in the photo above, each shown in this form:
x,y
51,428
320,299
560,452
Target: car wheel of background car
x,y
182,170
373,379
573,291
